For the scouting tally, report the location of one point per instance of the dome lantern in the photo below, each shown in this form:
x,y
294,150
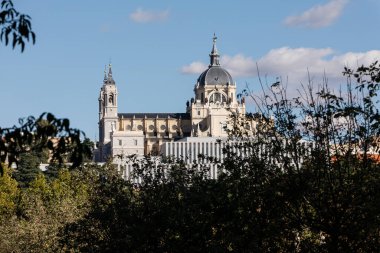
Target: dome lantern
x,y
214,56
215,74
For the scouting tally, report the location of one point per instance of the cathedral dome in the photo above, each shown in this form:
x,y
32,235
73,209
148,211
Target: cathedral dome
x,y
215,74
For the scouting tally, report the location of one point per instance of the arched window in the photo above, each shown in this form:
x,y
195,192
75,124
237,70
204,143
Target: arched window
x,y
217,97
110,99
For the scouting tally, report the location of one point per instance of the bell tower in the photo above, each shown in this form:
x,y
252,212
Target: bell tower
x,y
108,118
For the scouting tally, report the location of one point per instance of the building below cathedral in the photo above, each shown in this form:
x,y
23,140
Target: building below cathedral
x,y
195,131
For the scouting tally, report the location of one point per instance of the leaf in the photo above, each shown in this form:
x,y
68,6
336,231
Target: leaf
x,y
50,117
14,40
33,37
22,43
7,31
66,123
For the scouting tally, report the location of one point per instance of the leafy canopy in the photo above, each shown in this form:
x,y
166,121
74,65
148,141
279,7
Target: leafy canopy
x,y
15,26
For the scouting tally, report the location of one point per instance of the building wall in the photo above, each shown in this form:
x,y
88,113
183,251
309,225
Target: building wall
x,y
207,115
127,143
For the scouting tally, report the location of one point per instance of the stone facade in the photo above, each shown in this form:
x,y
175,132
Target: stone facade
x,y
207,115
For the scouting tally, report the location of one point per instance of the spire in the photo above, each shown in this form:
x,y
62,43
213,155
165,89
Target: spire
x,y
105,73
110,70
214,55
110,78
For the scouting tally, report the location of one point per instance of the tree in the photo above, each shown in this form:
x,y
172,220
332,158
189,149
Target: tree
x,y
309,184
28,168
330,184
32,217
44,133
9,193
15,25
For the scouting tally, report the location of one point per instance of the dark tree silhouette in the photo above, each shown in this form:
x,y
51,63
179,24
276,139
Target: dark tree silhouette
x,y
15,26
46,132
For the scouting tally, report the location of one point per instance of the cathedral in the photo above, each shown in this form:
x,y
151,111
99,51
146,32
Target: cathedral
x,y
205,120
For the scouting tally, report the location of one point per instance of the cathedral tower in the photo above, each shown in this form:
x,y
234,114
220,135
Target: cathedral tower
x,y
108,118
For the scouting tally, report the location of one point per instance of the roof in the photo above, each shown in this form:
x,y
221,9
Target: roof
x,y
215,75
155,115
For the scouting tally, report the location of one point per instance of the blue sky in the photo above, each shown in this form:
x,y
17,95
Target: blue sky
x,y
158,48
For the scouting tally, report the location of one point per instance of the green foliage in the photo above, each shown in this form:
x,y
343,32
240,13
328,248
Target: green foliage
x,y
88,146
321,196
52,170
44,134
32,217
15,25
9,193
330,192
29,167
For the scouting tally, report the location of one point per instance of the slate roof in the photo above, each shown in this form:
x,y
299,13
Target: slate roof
x,y
215,75
155,115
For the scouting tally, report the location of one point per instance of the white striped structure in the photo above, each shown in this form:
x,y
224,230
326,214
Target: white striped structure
x,y
194,150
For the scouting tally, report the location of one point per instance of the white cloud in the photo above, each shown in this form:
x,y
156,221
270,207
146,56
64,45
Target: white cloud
x,y
146,16
293,64
194,68
319,15
239,65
